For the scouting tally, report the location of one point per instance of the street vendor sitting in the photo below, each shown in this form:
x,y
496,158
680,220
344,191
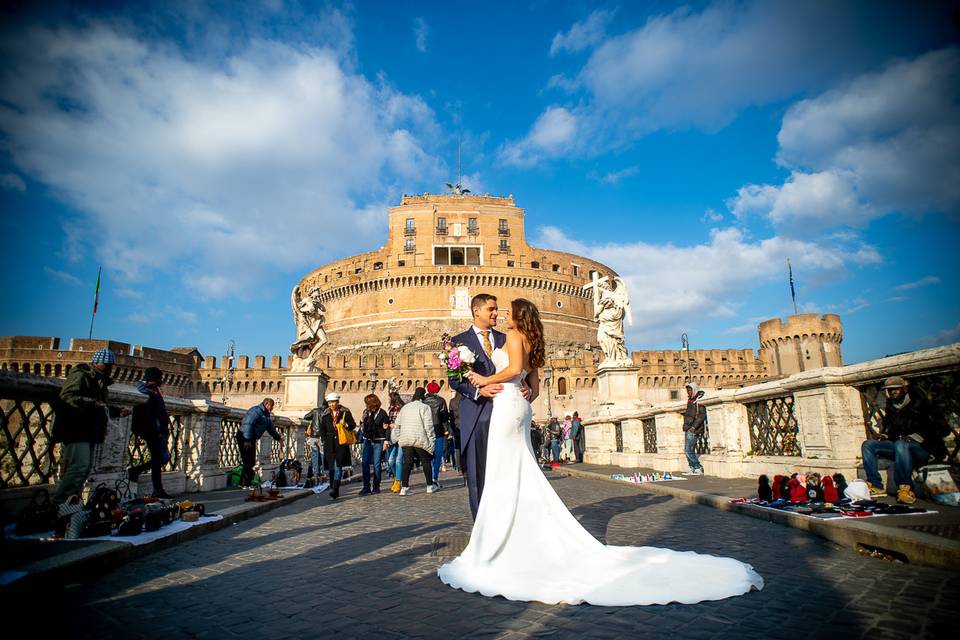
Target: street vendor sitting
x,y
912,431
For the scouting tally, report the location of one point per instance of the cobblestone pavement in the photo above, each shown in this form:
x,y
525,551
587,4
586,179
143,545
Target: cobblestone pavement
x,y
363,568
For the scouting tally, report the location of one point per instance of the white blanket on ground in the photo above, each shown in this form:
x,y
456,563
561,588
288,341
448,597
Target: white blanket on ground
x,y
143,538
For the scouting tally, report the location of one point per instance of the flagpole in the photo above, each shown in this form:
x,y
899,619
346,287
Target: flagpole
x,y
793,293
96,303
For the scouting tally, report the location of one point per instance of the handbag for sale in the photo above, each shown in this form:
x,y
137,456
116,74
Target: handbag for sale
x,y
71,517
38,516
102,502
132,523
942,483
344,435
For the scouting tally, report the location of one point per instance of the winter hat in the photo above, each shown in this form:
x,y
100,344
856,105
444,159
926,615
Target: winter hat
x,y
152,374
841,483
777,483
829,490
104,356
763,489
857,490
433,387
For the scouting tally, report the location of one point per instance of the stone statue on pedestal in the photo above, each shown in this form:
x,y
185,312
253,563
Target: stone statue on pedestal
x,y
611,304
308,316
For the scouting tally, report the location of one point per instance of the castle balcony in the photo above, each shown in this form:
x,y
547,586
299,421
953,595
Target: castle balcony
x,y
410,231
473,231
503,233
441,231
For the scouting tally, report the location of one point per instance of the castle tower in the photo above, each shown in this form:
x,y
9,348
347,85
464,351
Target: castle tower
x,y
805,341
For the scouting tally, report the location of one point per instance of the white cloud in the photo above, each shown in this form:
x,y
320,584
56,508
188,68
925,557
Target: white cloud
x,y
139,318
12,182
584,34
127,292
680,285
229,171
700,69
63,275
922,282
551,135
885,142
947,336
616,176
420,31
711,216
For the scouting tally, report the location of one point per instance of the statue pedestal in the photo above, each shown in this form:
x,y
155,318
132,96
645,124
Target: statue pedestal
x,y
303,391
618,389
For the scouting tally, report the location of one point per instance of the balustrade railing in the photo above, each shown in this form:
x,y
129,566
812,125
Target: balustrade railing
x,y
773,427
649,435
229,449
27,456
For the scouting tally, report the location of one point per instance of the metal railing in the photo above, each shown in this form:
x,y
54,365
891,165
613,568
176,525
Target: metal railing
x,y
27,456
773,427
649,435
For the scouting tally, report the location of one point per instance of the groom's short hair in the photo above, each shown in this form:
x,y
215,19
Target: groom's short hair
x,y
481,299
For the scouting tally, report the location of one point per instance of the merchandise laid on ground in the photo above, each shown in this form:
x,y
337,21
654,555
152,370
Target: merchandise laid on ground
x,y
646,477
144,537
845,508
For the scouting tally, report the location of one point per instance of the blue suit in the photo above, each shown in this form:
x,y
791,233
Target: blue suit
x,y
475,414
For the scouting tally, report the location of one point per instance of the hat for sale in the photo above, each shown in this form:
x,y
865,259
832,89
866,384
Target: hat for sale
x,y
104,356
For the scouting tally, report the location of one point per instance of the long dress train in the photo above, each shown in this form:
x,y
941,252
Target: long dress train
x,y
526,545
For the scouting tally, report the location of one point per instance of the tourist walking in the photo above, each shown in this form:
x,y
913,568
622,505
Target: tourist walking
x,y
256,421
338,433
565,431
80,420
374,425
151,423
579,437
413,431
394,454
315,444
694,420
440,416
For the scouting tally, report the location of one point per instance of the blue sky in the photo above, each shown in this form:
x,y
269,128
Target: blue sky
x,y
209,155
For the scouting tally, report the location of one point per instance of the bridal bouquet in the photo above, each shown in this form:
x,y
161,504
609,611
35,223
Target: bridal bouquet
x,y
456,358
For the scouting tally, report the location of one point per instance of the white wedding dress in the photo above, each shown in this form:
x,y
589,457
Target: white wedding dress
x,y
526,545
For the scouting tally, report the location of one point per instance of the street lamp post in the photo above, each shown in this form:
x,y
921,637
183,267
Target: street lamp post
x,y
373,380
547,377
228,380
688,363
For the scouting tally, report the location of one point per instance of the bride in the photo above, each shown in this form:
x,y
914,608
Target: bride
x,y
510,554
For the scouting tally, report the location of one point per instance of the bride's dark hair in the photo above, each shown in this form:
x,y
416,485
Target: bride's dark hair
x,y
526,319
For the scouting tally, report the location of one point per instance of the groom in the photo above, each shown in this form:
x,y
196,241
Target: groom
x,y
476,404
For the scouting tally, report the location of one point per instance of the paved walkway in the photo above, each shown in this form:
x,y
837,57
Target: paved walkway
x,y
366,567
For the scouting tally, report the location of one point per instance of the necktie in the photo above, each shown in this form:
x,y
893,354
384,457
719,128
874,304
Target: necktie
x,y
487,347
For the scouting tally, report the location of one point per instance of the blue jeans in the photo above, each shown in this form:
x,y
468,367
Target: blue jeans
x,y
906,454
337,473
555,446
690,444
372,455
315,459
438,448
395,460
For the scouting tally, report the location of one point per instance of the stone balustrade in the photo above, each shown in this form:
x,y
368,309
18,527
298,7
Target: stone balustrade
x,y
810,421
201,441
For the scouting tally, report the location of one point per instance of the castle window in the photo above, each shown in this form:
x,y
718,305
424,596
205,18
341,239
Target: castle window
x,y
556,268
592,274
410,361
472,227
576,271
401,263
511,263
389,300
409,246
358,270
339,274
409,229
444,255
561,386
442,226
504,246
559,304
377,266
534,265
674,394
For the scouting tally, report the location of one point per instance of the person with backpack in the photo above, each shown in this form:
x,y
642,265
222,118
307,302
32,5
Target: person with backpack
x,y
80,421
441,420
151,423
694,422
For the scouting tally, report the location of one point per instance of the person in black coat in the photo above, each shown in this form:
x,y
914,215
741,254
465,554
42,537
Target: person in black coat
x,y
374,425
336,456
151,423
